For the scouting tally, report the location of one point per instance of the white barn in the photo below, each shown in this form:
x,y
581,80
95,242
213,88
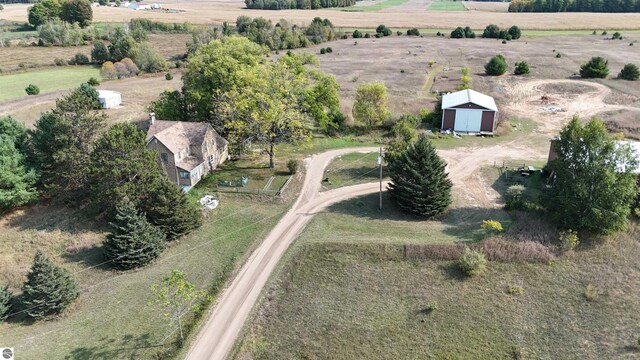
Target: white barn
x,y
109,99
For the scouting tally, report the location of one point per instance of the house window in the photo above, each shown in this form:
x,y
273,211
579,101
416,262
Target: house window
x,y
184,175
211,158
164,157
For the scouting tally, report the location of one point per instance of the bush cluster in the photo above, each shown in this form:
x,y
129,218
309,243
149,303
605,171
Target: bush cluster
x,y
383,31
413,32
461,33
32,89
327,50
293,166
522,68
597,67
629,72
494,32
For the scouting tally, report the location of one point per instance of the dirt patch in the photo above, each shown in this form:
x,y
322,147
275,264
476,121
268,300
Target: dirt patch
x,y
566,89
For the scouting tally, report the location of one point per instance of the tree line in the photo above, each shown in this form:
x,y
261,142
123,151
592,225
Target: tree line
x,y
607,6
297,4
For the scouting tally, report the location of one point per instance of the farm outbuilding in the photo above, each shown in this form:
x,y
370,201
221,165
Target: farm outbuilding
x,y
109,99
468,111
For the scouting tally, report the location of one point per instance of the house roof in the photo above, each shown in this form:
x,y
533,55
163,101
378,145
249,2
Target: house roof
x,y
468,96
178,135
108,93
189,163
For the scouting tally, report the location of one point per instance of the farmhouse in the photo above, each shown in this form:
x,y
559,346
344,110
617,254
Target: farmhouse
x,y
187,150
468,111
109,99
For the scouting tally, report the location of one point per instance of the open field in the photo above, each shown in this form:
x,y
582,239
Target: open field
x,y
169,45
374,6
218,11
366,300
352,65
443,5
137,94
47,80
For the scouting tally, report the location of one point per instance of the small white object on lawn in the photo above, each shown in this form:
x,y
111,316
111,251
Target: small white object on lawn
x,y
209,201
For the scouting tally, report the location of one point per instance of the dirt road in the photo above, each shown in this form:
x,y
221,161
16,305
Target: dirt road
x,y
234,305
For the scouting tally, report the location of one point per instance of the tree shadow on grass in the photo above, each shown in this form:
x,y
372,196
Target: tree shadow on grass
x,y
49,217
463,223
128,347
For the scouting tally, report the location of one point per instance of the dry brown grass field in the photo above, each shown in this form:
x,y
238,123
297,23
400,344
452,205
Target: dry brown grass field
x,y
206,11
517,96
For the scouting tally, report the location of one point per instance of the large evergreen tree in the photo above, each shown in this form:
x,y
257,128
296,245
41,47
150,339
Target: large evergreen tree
x,y
419,183
597,67
17,181
171,210
133,242
122,166
594,187
5,302
49,288
61,143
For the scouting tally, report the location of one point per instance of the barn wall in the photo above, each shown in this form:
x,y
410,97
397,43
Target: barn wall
x,y
469,106
488,118
449,119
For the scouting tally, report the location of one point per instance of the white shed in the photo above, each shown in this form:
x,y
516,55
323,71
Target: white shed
x,y
109,99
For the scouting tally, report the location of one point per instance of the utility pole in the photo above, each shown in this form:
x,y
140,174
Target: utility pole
x,y
380,158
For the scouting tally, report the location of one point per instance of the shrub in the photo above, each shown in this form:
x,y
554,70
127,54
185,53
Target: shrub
x,y
148,59
604,32
168,76
491,31
496,66
356,34
382,29
378,35
438,33
558,55
5,302
433,306
329,50
515,290
522,68
597,67
60,62
472,262
366,36
293,165
431,62
515,32
32,90
492,226
592,293
93,81
100,52
323,51
629,72
568,240
108,70
457,33
514,197
399,33
504,41
616,35
79,59
413,32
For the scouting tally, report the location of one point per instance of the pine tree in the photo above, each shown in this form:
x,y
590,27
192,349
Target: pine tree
x,y
133,242
5,302
49,288
419,183
171,210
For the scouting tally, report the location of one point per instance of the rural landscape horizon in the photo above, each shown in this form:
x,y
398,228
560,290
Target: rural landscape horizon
x,y
319,179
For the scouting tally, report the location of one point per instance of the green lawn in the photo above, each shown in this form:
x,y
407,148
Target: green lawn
x,y
351,169
443,5
48,80
375,7
346,290
112,318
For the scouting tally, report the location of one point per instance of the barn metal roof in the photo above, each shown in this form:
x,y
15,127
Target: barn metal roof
x,y
468,96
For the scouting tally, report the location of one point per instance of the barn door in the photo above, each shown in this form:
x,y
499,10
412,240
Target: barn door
x,y
468,120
